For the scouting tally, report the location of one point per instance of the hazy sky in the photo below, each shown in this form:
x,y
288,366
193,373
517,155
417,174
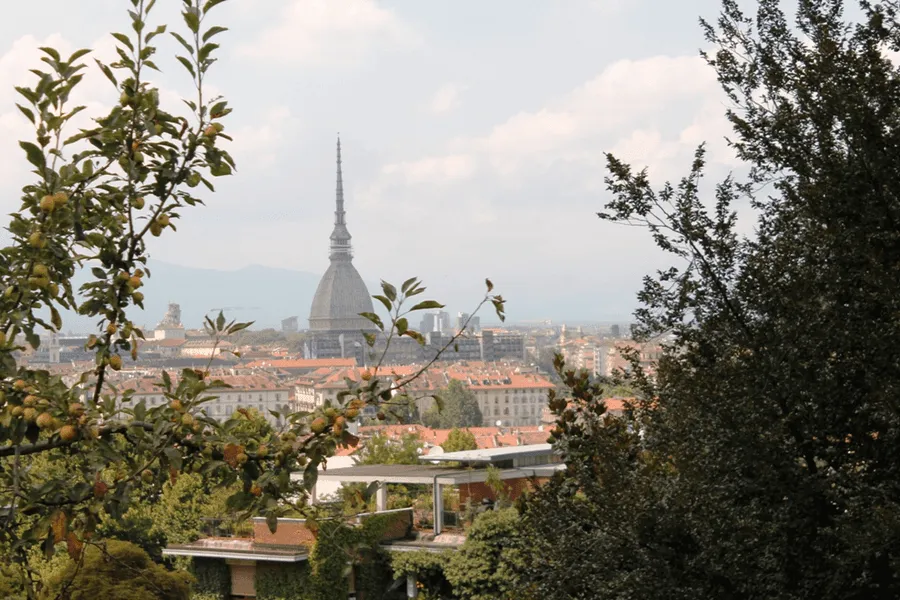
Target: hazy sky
x,y
473,134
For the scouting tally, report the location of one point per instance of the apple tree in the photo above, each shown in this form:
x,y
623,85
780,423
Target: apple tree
x,y
73,452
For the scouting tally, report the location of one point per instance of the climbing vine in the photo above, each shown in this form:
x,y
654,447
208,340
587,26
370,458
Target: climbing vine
x,y
213,579
428,569
326,575
283,582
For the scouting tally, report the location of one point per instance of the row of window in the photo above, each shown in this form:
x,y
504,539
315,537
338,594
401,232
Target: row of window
x,y
157,400
517,400
486,412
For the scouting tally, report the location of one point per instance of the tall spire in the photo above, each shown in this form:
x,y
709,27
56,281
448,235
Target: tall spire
x,y
340,237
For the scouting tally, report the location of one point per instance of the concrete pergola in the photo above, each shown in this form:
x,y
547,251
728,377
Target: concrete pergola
x,y
473,470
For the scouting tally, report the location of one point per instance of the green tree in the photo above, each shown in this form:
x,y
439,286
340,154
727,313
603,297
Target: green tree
x,y
767,464
382,450
118,571
482,568
98,195
460,408
96,199
459,439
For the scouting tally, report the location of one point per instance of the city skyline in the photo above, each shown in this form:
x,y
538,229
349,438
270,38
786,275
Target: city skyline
x,y
453,146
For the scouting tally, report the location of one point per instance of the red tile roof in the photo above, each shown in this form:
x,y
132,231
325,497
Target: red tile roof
x,y
301,363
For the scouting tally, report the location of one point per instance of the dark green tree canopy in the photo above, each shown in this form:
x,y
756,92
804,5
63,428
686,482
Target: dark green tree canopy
x,y
459,439
382,450
768,463
460,408
118,571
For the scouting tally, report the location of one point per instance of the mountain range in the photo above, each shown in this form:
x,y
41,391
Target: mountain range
x,y
256,293
266,295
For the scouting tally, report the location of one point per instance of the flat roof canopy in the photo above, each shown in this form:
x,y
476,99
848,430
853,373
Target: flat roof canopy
x,y
491,455
237,549
429,474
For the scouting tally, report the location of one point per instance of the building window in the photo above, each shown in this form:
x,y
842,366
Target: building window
x,y
277,397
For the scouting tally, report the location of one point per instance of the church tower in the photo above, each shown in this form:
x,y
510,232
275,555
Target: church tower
x,y
334,317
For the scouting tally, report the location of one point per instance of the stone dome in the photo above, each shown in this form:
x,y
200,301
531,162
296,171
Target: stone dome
x,y
340,297
342,293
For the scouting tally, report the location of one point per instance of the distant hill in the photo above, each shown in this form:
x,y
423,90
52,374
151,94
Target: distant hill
x,y
264,295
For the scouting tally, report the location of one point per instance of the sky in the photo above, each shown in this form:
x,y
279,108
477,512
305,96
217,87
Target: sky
x,y
473,135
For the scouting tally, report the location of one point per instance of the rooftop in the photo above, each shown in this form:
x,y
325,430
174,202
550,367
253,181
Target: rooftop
x,y
237,548
430,474
492,455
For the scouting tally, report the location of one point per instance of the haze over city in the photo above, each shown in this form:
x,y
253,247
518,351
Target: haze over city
x,y
238,352
473,138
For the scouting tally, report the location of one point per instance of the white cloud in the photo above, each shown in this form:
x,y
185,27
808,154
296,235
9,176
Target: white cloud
x,y
446,98
258,145
532,183
652,111
318,32
437,170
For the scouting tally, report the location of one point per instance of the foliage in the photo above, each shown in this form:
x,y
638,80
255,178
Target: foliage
x,y
380,449
458,440
283,581
428,569
118,571
767,461
11,582
213,579
497,487
326,576
97,198
482,567
460,408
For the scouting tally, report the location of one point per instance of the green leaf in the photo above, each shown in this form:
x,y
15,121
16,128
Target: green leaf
x,y
154,33
210,4
373,318
489,284
192,19
206,50
426,305
28,113
33,340
182,41
239,327
78,54
272,521
34,154
408,284
416,336
187,65
310,476
402,325
108,72
220,321
387,303
389,291
218,110
213,31
174,457
123,39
